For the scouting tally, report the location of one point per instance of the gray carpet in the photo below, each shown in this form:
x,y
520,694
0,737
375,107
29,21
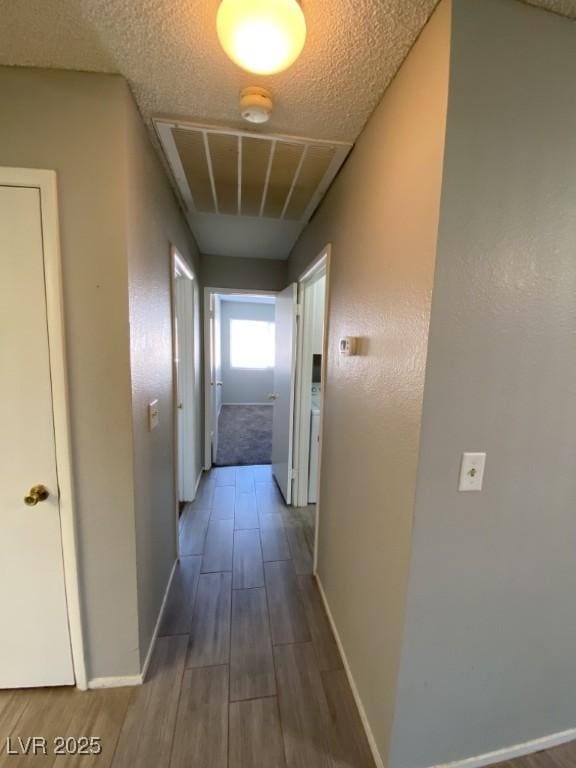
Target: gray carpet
x,y
244,435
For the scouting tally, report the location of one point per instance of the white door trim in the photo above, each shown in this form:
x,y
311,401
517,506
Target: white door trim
x,y
320,266
208,293
286,338
45,182
179,268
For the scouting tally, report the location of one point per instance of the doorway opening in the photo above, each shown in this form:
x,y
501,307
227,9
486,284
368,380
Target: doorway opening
x,y
240,345
310,381
267,351
186,367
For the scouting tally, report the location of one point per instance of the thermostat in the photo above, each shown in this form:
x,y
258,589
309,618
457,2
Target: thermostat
x,y
348,345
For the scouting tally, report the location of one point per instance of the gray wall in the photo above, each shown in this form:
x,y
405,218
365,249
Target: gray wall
x,y
115,270
73,123
490,639
154,222
381,216
239,272
244,386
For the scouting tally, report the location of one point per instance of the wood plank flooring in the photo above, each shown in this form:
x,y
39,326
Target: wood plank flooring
x,y
245,673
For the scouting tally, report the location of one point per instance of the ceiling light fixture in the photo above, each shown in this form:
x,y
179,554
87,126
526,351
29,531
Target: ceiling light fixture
x,y
261,36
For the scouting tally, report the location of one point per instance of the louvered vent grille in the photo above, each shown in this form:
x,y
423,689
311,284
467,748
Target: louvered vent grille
x,y
253,175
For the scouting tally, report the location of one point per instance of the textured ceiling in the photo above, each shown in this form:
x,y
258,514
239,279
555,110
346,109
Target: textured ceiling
x,y
169,53
563,7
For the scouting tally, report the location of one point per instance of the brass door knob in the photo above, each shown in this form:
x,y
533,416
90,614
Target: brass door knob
x,y
35,494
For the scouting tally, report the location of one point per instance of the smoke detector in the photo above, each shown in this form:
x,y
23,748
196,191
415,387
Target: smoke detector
x,y
256,104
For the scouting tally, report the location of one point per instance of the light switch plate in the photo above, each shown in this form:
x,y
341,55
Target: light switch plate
x,y
153,416
472,471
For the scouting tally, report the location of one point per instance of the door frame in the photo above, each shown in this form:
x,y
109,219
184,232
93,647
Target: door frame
x,y
179,268
208,293
319,267
288,494
46,182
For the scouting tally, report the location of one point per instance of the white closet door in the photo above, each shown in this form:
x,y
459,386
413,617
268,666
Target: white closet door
x,y
34,640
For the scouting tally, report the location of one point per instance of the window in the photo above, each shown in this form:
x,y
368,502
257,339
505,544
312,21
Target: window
x,y
251,344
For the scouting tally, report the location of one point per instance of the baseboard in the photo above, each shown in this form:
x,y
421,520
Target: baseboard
x,y
270,404
198,479
196,485
508,753
489,758
121,681
158,622
368,730
114,682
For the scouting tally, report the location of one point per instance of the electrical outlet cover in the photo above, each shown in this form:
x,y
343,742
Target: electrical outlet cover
x,y
472,471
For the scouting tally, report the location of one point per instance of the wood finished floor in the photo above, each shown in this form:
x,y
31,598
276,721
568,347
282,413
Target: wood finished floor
x,y
245,673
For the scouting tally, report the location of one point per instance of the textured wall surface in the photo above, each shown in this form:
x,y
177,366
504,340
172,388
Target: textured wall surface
x,y
52,119
381,217
244,386
488,656
117,217
238,272
154,222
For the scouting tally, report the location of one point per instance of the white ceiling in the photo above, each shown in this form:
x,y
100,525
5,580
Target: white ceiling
x,y
169,53
171,56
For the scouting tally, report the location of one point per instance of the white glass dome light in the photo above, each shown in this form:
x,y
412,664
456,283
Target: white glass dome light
x,y
261,36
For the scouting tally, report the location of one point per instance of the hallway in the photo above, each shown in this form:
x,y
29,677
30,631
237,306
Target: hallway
x,y
261,667
245,672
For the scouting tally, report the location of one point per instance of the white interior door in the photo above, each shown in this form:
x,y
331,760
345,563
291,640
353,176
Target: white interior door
x,y
217,372
284,378
34,639
185,386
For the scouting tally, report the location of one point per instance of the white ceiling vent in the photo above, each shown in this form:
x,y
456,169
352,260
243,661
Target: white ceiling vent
x,y
248,194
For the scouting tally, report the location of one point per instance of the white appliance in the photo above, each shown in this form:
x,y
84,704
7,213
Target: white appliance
x,y
314,451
